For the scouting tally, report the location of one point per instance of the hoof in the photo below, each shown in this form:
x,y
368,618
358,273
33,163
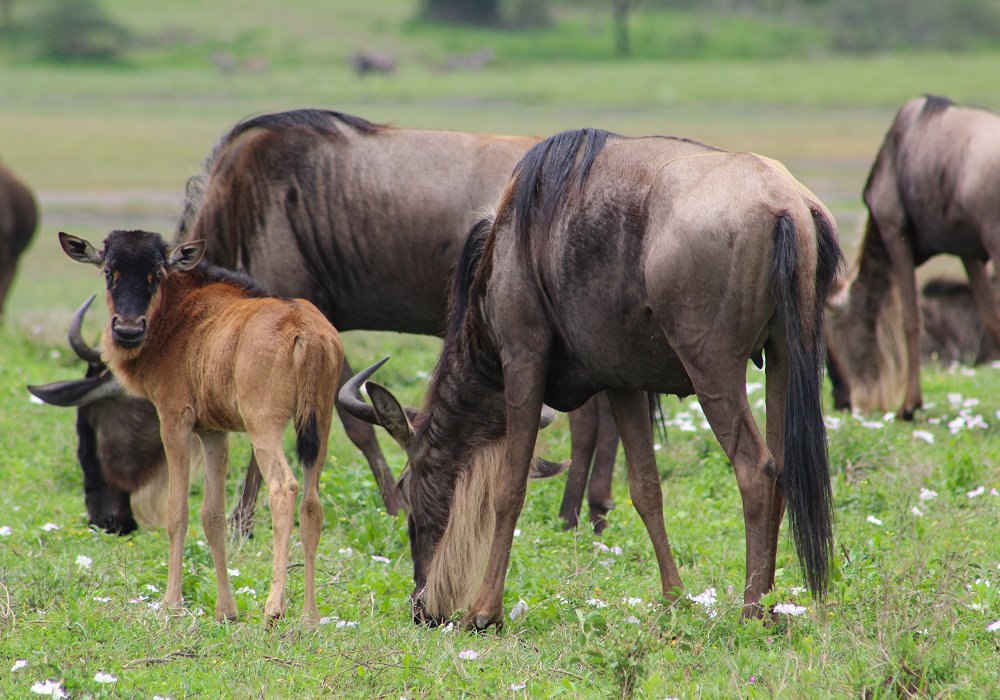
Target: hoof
x,y
480,622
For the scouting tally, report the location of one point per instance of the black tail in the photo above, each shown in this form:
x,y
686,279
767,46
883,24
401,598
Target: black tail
x,y
806,479
307,440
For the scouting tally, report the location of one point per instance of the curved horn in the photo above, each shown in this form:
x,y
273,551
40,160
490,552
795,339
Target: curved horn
x,y
76,341
349,395
78,392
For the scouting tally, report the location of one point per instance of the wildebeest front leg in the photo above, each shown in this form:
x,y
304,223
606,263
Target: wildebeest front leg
x,y
524,386
903,272
631,412
178,443
362,434
984,295
213,519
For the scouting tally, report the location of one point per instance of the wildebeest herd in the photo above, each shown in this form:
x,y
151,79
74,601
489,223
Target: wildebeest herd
x,y
587,272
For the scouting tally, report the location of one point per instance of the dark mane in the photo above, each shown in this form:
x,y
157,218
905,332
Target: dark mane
x,y
321,122
465,272
934,105
208,273
545,173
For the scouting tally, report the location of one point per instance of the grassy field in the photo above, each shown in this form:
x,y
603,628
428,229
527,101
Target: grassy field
x,y
916,576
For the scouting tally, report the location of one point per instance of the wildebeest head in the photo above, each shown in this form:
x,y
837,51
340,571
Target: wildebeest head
x,y
433,473
119,447
134,262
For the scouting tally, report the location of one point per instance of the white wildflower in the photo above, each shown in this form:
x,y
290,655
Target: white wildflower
x,y
347,551
246,590
20,663
873,424
954,398
51,688
789,609
596,603
976,492
967,372
154,589
926,494
917,512
233,572
706,597
873,520
83,561
519,609
632,602
754,386
632,620
468,655
517,532
994,492
49,527
993,626
325,620
832,422
102,677
376,557
346,623
616,550
5,531
102,599
924,435
518,686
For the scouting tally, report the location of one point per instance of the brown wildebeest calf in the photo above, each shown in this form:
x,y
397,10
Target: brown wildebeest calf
x,y
18,219
216,354
628,265
932,190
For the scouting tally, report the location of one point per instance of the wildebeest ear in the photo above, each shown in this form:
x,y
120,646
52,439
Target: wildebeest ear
x,y
186,256
542,468
391,414
78,392
80,250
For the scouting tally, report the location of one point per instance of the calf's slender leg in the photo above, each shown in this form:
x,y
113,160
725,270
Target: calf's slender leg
x,y
178,444
213,518
310,527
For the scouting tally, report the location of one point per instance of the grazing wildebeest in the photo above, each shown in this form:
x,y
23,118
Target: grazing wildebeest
x,y
627,265
214,353
18,219
931,190
119,448
366,221
951,328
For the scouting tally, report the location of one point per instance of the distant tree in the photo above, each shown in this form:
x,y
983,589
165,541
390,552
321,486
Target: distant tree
x,y
80,30
484,12
621,11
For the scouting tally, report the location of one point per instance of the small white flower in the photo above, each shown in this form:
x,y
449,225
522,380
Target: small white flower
x,y
924,435
632,602
83,561
345,551
5,531
789,609
976,492
832,422
754,386
657,446
596,603
154,589
246,590
468,655
102,599
384,560
968,372
632,620
519,609
796,590
707,597
325,620
926,494
616,550
102,677
955,399
873,424
155,605
51,688
873,520
421,374
917,512
20,663
49,527
993,626
200,543
518,686
994,492
346,623
232,572
517,532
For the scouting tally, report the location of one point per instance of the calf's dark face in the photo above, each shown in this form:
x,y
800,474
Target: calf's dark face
x,y
134,263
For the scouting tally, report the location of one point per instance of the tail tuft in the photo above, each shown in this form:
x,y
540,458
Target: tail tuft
x,y
307,440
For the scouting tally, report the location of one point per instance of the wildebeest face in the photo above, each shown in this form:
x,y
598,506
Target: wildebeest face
x,y
133,262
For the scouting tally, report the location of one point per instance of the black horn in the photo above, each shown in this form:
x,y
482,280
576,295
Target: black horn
x,y
349,395
76,341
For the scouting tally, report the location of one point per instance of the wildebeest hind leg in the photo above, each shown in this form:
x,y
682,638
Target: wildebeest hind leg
x,y
984,295
631,411
721,389
599,489
213,519
583,439
241,521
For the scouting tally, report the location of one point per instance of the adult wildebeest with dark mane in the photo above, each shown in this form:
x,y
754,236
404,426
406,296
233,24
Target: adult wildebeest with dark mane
x,y
215,354
932,190
366,221
18,219
631,265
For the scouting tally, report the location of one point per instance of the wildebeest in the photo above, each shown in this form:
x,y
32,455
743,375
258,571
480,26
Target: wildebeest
x,y
931,190
627,265
951,328
366,221
119,446
215,353
18,219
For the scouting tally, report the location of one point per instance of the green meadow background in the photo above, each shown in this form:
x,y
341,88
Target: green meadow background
x,y
108,142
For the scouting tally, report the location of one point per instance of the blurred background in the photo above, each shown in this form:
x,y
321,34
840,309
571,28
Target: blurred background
x,y
108,106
